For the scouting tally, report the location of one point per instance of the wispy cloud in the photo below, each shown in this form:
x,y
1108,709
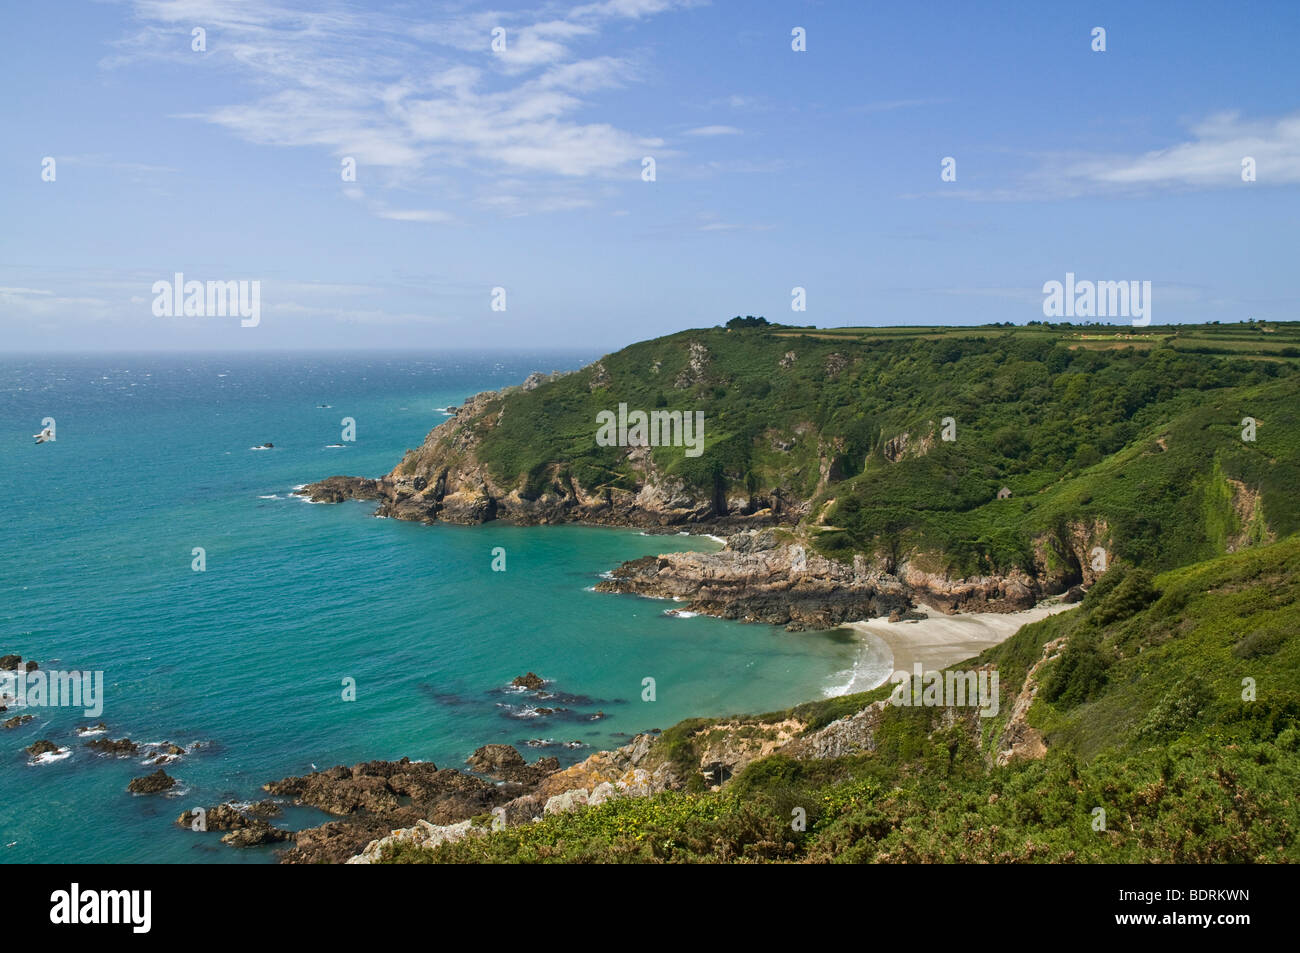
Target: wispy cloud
x,y
889,105
415,215
404,96
713,131
1210,158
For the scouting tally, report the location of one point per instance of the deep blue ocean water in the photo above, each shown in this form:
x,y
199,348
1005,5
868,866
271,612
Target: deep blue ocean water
x,y
153,458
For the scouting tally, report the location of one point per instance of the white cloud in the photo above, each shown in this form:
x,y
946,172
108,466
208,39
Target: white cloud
x,y
414,215
713,131
409,96
1211,158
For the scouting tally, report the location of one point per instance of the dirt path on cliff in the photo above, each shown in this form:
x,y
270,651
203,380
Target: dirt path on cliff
x,y
943,640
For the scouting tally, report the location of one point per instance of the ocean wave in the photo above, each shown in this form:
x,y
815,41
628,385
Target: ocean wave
x,y
871,669
50,757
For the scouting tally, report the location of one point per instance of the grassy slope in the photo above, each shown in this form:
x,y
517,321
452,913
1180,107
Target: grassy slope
x,y
1143,712
1068,419
1147,722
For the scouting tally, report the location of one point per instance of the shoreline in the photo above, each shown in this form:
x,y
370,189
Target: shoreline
x,y
940,640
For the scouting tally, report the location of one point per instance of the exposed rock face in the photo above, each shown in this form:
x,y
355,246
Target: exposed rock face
x,y
44,746
696,367
630,768
376,797
1019,738
756,580
445,480
629,771
854,734
732,745
154,783
530,680
10,662
17,721
422,834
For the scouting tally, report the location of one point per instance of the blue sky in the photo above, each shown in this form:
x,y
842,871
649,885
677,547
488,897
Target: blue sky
x,y
774,168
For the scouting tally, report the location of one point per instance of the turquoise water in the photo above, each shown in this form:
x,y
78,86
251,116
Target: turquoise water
x,y
153,458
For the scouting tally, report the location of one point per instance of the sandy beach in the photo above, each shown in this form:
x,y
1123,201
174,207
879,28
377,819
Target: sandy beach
x,y
942,640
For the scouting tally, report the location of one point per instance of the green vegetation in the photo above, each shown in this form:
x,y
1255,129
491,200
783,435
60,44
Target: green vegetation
x,y
1169,700
1186,764
1136,435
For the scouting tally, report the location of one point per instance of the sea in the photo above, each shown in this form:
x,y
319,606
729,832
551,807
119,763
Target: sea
x,y
157,541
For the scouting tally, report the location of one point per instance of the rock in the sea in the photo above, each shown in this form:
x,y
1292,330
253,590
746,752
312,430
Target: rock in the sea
x,y
507,764
493,759
44,746
255,834
10,662
154,783
531,680
17,721
122,747
230,817
340,488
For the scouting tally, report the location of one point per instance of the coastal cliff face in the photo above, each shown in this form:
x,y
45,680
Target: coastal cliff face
x,y
757,578
879,496
444,479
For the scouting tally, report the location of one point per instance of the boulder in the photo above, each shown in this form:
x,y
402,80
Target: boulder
x,y
494,759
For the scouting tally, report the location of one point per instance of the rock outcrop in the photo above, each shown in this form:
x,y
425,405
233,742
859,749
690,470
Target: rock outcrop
x,y
154,783
122,747
376,797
